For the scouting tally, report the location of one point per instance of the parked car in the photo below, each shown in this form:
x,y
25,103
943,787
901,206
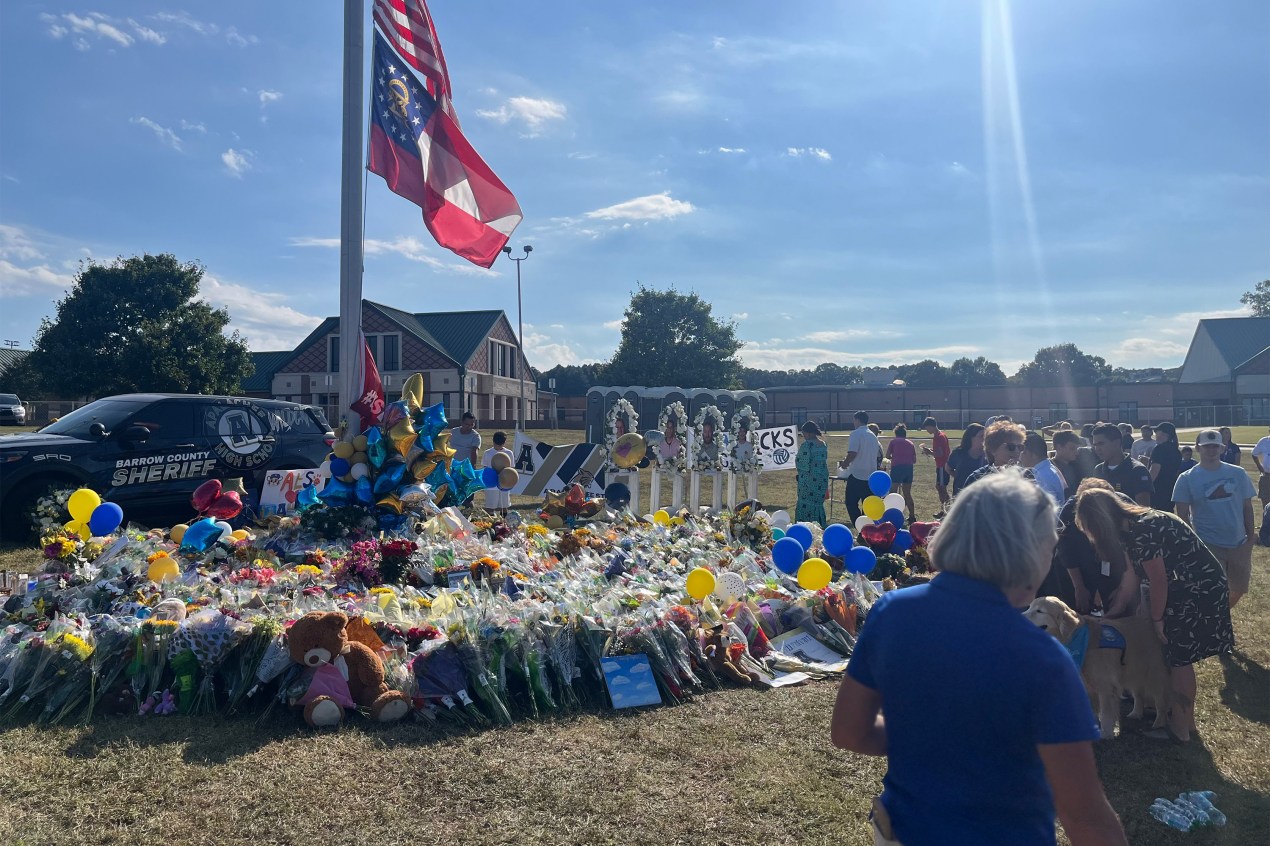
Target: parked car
x,y
12,412
148,452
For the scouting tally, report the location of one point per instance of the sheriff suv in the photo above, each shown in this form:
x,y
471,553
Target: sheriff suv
x,y
148,452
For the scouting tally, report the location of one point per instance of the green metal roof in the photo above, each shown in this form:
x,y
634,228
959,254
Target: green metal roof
x,y
267,364
1239,338
460,333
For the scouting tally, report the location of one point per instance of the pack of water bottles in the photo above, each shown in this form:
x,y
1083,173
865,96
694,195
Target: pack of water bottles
x,y
1189,811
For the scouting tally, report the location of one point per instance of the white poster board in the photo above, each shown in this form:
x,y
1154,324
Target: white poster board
x,y
277,495
778,447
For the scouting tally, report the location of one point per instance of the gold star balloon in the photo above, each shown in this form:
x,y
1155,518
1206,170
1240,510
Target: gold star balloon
x,y
403,435
412,392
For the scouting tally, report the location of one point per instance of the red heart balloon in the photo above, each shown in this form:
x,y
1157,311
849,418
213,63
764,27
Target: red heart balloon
x,y
204,494
879,536
921,532
226,506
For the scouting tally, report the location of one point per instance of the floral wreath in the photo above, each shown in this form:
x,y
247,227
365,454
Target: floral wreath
x,y
745,415
621,408
713,414
675,411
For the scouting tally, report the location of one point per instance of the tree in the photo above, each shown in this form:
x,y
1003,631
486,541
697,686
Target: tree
x,y
975,372
1258,299
1063,364
669,338
573,380
137,325
927,373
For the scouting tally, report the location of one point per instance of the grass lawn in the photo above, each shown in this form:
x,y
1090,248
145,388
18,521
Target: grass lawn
x,y
733,767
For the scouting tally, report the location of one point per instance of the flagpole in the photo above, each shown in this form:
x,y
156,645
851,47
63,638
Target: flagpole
x,y
351,187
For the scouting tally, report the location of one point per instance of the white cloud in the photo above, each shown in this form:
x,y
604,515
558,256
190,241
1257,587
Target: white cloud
x,y
651,207
191,126
582,156
723,150
774,355
15,244
833,336
92,24
166,136
544,353
237,162
533,112
819,153
406,247
266,96
958,169
265,319
40,280
147,34
1146,352
206,29
613,325
741,315
238,40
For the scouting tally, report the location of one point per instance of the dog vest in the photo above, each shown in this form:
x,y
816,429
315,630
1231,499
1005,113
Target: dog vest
x,y
1108,638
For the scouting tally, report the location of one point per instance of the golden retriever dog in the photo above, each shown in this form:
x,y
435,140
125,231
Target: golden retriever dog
x,y
1134,663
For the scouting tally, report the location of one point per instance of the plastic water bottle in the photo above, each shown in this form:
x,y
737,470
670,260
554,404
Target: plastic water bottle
x,y
1164,811
1197,814
1201,800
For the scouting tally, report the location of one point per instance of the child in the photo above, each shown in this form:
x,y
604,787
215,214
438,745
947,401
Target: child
x,y
496,500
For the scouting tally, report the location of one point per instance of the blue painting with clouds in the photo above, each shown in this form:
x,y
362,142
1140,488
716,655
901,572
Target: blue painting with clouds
x,y
630,681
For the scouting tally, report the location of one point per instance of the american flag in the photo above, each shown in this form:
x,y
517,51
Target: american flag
x,y
407,25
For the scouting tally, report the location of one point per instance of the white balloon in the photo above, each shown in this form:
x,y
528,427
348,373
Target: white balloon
x,y
894,501
325,469
862,521
780,519
225,529
729,585
359,471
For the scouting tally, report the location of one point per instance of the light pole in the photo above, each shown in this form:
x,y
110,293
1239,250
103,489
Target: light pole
x,y
520,334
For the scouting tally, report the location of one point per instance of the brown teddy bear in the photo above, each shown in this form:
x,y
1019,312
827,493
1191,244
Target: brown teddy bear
x,y
345,674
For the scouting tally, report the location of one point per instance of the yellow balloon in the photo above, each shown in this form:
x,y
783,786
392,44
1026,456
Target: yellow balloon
x,y
815,574
554,521
77,528
661,518
82,503
403,436
677,520
441,450
422,469
360,443
412,392
177,532
343,449
873,507
163,569
359,457
700,583
239,534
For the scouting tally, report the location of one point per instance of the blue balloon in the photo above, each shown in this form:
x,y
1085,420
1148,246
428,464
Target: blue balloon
x,y
438,478
105,519
376,447
903,542
861,560
389,479
489,477
200,535
363,490
802,534
337,492
837,540
434,421
787,555
777,533
307,496
340,467
880,483
894,516
617,495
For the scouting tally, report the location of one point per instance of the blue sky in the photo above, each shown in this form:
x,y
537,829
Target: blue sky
x,y
858,182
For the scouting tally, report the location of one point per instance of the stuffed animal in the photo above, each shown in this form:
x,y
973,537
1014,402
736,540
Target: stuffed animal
x,y
345,674
724,660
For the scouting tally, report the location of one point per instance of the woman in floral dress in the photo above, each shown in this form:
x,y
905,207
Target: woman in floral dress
x,y
1190,604
813,476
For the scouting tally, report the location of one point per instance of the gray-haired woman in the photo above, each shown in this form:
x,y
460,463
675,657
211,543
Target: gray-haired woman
x,y
987,727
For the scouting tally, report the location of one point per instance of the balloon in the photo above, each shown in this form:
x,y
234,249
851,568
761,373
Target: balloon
x,y
466,482
390,478
434,420
403,435
441,447
359,443
815,574
412,392
661,518
489,477
862,521
363,491
239,534
777,534
392,503
340,466
508,478
500,461
200,535
873,507
78,529
376,448
414,496
922,532
325,469
628,451
700,583
903,543
422,468
105,519
893,516
227,506
802,534
359,458
837,540
225,530
344,450
163,569
780,519
575,496
788,555
893,501
554,521
395,412
82,504
861,560
880,483
729,586
617,495
307,496
439,481
337,492
177,532
879,536
359,470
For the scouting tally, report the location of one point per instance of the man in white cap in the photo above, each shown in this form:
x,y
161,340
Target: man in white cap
x,y
1216,499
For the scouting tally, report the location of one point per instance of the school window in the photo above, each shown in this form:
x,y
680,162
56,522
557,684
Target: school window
x,y
1058,411
372,344
333,357
391,345
1256,410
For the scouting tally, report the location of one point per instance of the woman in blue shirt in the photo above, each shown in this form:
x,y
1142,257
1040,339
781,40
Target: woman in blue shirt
x,y
987,727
